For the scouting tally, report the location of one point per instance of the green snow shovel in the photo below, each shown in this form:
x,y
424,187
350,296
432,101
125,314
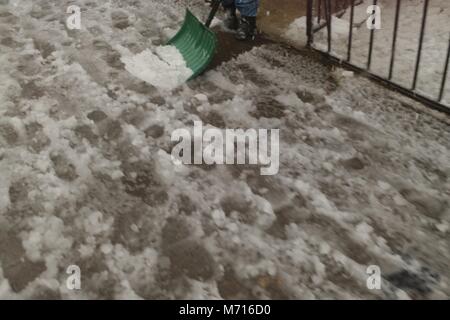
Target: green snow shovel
x,y
196,42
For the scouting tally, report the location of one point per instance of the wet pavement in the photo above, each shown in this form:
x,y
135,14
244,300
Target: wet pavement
x,y
229,47
276,16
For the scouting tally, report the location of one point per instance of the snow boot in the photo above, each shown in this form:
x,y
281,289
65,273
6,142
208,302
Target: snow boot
x,y
247,29
231,20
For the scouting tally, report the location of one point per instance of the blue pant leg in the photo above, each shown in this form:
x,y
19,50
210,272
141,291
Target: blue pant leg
x,y
248,8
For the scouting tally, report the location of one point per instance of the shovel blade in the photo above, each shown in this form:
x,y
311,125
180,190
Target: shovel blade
x,y
196,43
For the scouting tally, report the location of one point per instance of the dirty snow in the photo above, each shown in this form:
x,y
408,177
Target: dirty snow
x,y
87,178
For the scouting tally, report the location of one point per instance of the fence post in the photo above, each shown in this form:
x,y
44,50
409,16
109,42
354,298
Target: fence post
x,y
372,36
394,39
419,51
309,22
444,76
329,18
350,32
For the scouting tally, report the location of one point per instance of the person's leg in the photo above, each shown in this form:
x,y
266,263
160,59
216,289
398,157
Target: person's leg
x,y
231,20
248,10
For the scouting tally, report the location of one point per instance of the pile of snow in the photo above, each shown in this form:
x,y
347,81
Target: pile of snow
x,y
340,27
297,31
165,69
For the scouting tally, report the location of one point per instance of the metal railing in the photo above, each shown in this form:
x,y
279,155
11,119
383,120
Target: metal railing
x,y
319,16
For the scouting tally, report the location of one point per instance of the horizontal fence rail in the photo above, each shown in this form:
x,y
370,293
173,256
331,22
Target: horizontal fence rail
x,y
320,15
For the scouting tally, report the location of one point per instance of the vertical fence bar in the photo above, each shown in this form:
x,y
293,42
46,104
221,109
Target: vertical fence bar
x,y
309,21
419,51
372,35
350,33
319,10
394,39
329,22
444,77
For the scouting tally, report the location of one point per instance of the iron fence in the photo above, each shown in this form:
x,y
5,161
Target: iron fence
x,y
320,15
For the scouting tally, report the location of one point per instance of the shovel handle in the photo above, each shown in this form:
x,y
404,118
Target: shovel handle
x,y
213,12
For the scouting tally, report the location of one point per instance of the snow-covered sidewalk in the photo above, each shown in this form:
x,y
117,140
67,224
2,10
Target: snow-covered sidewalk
x,y
87,178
